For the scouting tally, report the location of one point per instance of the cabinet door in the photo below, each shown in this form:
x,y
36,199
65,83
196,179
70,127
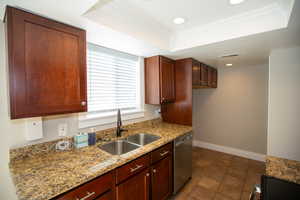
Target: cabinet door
x,y
215,78
47,66
204,75
135,188
196,73
162,179
167,80
209,76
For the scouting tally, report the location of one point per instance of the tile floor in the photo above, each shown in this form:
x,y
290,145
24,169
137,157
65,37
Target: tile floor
x,y
220,176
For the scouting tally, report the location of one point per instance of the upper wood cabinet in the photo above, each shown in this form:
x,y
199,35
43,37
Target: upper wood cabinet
x,y
208,77
159,80
180,112
189,74
196,73
204,75
47,65
212,77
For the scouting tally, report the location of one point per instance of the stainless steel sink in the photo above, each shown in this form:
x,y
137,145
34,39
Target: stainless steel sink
x,y
118,147
130,143
142,138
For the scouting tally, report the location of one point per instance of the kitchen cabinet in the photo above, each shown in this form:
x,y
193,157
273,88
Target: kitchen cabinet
x,y
47,65
212,77
180,111
149,177
101,188
106,196
161,182
191,74
159,80
135,188
196,73
204,75
142,180
132,168
161,153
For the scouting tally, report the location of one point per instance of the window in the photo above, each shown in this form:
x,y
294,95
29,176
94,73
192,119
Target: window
x,y
113,80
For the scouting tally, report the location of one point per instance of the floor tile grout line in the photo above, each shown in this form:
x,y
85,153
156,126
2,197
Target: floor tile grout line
x,y
227,168
244,182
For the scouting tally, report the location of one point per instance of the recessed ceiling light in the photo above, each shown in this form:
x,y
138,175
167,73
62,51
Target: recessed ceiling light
x,y
229,64
235,2
179,20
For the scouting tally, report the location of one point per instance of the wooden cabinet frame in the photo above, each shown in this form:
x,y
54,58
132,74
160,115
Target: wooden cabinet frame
x,y
44,79
159,80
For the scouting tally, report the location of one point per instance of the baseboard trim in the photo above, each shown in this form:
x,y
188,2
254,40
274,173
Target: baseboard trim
x,y
230,150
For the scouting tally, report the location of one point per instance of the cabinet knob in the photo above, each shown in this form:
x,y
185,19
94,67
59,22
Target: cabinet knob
x,y
83,103
154,170
147,174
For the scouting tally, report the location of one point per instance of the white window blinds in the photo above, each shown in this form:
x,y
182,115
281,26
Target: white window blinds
x,y
112,80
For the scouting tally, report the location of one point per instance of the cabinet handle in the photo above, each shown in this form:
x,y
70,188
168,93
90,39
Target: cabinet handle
x,y
89,194
136,168
83,103
164,153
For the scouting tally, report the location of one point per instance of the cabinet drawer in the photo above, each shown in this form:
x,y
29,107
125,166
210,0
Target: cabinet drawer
x,y
91,190
132,168
162,152
106,196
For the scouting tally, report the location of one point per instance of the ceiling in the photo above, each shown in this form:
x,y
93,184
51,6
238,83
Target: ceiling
x,y
213,28
71,11
213,20
195,12
252,50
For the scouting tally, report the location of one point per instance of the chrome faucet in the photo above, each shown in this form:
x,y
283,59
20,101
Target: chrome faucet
x,y
119,124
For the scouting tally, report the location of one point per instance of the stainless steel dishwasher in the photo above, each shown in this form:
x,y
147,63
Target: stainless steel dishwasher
x,y
182,160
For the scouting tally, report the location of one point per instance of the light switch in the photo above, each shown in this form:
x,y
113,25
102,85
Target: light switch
x,y
34,128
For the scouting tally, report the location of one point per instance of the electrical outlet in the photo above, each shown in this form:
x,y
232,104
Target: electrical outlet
x,y
62,130
157,111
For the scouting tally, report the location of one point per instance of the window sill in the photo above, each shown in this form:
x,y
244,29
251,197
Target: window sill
x,y
87,120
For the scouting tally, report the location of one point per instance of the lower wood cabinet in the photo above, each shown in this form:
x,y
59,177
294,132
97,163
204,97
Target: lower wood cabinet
x,y
101,188
135,188
161,179
149,177
154,182
107,196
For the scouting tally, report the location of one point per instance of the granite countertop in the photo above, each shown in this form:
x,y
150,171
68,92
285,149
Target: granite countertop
x,y
44,176
283,169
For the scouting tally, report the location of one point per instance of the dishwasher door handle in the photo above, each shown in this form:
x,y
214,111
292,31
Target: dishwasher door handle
x,y
179,143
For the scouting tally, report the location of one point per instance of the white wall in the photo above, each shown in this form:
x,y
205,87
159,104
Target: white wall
x,y
12,131
284,104
235,114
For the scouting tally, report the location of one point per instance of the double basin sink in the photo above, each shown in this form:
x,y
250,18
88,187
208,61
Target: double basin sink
x,y
128,144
